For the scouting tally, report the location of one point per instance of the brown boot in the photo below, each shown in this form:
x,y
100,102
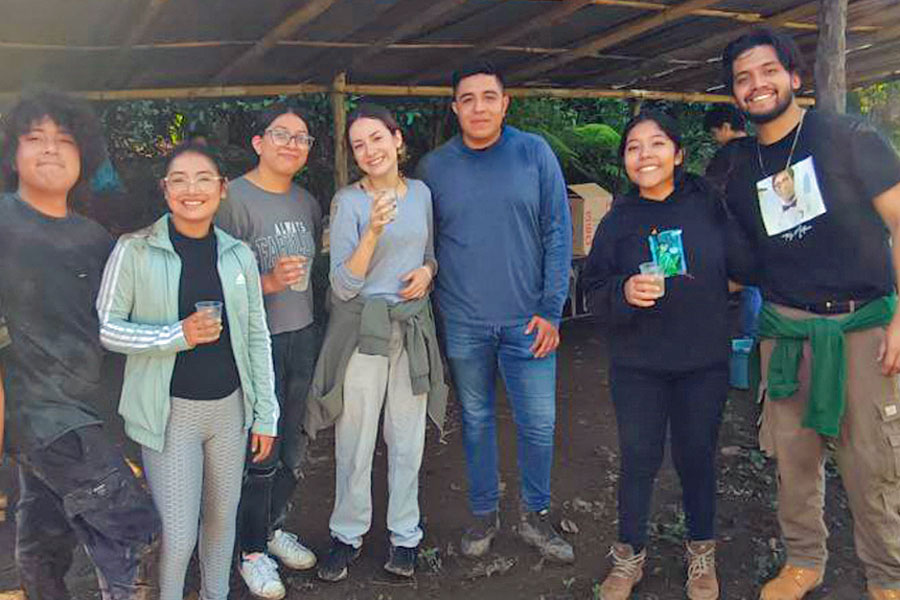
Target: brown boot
x,y
702,583
627,570
792,583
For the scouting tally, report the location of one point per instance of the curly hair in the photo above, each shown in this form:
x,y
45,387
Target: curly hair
x,y
67,112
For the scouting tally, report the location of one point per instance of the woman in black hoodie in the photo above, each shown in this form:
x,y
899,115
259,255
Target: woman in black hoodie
x,y
669,344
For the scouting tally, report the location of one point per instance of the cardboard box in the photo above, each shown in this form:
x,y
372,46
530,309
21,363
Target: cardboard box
x,y
588,203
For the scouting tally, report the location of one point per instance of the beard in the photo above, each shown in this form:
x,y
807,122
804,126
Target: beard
x,y
780,109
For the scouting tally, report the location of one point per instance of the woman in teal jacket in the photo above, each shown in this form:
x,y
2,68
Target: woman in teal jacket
x,y
183,300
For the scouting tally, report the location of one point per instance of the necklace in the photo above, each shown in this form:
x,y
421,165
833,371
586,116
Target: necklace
x,y
790,154
369,187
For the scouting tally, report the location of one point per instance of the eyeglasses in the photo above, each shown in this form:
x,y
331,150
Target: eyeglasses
x,y
204,184
283,137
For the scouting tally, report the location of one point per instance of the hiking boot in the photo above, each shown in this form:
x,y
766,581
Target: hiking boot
x,y
702,583
260,573
337,563
402,561
286,547
879,593
536,530
476,541
792,583
627,571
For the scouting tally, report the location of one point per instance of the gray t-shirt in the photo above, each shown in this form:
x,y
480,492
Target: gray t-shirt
x,y
405,244
275,225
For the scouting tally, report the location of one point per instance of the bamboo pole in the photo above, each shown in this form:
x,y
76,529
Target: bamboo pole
x,y
238,91
339,114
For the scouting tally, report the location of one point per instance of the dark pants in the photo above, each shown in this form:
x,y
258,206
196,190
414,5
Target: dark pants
x,y
269,485
648,403
79,489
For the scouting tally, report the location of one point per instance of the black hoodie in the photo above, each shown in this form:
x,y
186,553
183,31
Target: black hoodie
x,y
687,328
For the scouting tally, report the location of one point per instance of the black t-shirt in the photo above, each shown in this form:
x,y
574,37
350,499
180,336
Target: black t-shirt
x,y
814,226
50,272
207,372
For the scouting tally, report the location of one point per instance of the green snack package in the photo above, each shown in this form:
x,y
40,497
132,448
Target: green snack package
x,y
668,252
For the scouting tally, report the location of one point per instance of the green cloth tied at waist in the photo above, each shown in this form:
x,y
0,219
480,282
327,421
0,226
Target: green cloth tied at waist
x,y
366,324
828,390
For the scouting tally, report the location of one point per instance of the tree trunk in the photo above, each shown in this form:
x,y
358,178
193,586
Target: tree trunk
x,y
830,70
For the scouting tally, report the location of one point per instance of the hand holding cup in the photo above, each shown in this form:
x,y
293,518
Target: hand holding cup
x,y
645,289
205,325
384,210
289,270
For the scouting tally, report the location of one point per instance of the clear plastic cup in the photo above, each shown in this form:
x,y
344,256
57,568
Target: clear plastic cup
x,y
654,270
388,194
303,284
210,308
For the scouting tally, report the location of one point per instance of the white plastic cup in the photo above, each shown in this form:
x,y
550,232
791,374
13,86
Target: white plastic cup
x,y
303,284
655,271
210,308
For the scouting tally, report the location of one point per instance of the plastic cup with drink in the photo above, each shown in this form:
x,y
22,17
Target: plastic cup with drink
x,y
211,309
656,272
303,283
387,195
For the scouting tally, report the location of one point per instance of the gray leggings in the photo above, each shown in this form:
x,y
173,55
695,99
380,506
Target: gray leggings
x,y
197,479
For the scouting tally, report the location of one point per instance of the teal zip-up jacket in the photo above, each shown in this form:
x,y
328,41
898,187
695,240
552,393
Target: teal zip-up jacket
x,y
138,310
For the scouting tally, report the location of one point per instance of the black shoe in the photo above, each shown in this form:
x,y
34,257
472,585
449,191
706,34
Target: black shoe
x,y
476,541
340,555
537,530
402,561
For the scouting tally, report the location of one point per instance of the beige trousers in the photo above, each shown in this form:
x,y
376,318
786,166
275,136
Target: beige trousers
x,y
868,456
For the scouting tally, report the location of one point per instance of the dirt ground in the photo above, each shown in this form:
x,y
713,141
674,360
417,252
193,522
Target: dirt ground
x,y
584,483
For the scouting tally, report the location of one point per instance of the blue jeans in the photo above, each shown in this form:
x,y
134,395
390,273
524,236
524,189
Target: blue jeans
x,y
751,303
475,353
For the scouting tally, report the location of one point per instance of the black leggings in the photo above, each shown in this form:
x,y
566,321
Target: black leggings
x,y
648,403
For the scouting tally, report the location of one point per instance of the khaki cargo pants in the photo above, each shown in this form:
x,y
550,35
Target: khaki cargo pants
x,y
868,456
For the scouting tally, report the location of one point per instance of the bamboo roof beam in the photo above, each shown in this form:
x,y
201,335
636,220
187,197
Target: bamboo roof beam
x,y
560,12
236,91
303,15
735,15
135,34
714,43
610,38
413,26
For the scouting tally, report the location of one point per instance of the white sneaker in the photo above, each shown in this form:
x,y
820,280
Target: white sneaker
x,y
261,576
287,548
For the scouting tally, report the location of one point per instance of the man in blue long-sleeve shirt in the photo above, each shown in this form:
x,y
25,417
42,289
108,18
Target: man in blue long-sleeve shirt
x,y
503,238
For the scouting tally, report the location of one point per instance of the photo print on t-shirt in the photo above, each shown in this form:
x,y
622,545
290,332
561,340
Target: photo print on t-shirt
x,y
790,198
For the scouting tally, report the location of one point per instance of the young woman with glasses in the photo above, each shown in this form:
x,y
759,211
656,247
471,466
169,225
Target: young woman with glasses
x,y
281,222
182,299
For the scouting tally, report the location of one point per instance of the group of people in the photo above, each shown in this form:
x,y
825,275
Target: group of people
x,y
226,380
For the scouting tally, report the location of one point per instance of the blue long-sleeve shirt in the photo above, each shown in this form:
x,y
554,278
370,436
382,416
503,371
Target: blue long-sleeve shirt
x,y
503,233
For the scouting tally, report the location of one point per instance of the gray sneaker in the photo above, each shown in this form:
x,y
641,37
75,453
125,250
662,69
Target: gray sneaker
x,y
536,530
476,541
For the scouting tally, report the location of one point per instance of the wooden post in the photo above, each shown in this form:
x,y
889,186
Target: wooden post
x,y
830,70
339,114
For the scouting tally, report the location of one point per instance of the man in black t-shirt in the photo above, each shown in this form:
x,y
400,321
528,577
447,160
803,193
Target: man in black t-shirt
x,y
830,345
74,484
